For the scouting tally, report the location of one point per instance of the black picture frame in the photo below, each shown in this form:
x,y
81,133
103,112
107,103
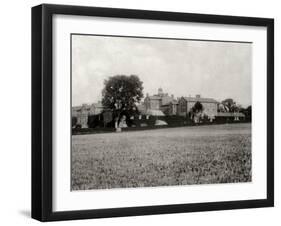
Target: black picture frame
x,y
42,106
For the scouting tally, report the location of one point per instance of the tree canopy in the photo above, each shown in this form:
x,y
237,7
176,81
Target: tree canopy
x,y
198,107
121,93
230,105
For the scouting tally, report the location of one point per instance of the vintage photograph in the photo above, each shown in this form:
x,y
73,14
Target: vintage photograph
x,y
149,112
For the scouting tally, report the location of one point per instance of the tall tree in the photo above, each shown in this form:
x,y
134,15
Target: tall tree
x,y
198,107
230,105
249,113
121,93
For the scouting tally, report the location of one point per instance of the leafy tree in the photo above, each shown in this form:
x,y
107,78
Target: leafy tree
x,y
198,107
248,113
230,105
73,121
196,112
121,93
249,108
221,108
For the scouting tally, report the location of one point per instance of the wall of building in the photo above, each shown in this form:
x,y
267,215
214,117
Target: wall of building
x,y
182,107
82,113
209,109
154,104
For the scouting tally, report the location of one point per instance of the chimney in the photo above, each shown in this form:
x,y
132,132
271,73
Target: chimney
x,y
147,94
172,96
160,91
197,96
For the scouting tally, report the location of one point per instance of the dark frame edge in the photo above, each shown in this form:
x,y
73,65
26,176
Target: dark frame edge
x,y
36,156
42,113
155,15
270,112
157,210
41,157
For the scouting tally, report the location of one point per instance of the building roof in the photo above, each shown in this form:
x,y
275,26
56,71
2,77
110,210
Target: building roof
x,y
171,102
200,99
154,97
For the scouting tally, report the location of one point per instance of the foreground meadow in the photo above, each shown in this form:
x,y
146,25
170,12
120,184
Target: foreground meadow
x,y
173,156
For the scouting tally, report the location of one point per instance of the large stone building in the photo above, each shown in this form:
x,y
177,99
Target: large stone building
x,y
82,112
170,106
160,102
185,104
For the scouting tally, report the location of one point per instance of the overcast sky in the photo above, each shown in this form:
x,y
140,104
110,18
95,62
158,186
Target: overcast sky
x,y
181,67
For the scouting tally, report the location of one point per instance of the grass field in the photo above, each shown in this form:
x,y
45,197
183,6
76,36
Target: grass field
x,y
173,156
